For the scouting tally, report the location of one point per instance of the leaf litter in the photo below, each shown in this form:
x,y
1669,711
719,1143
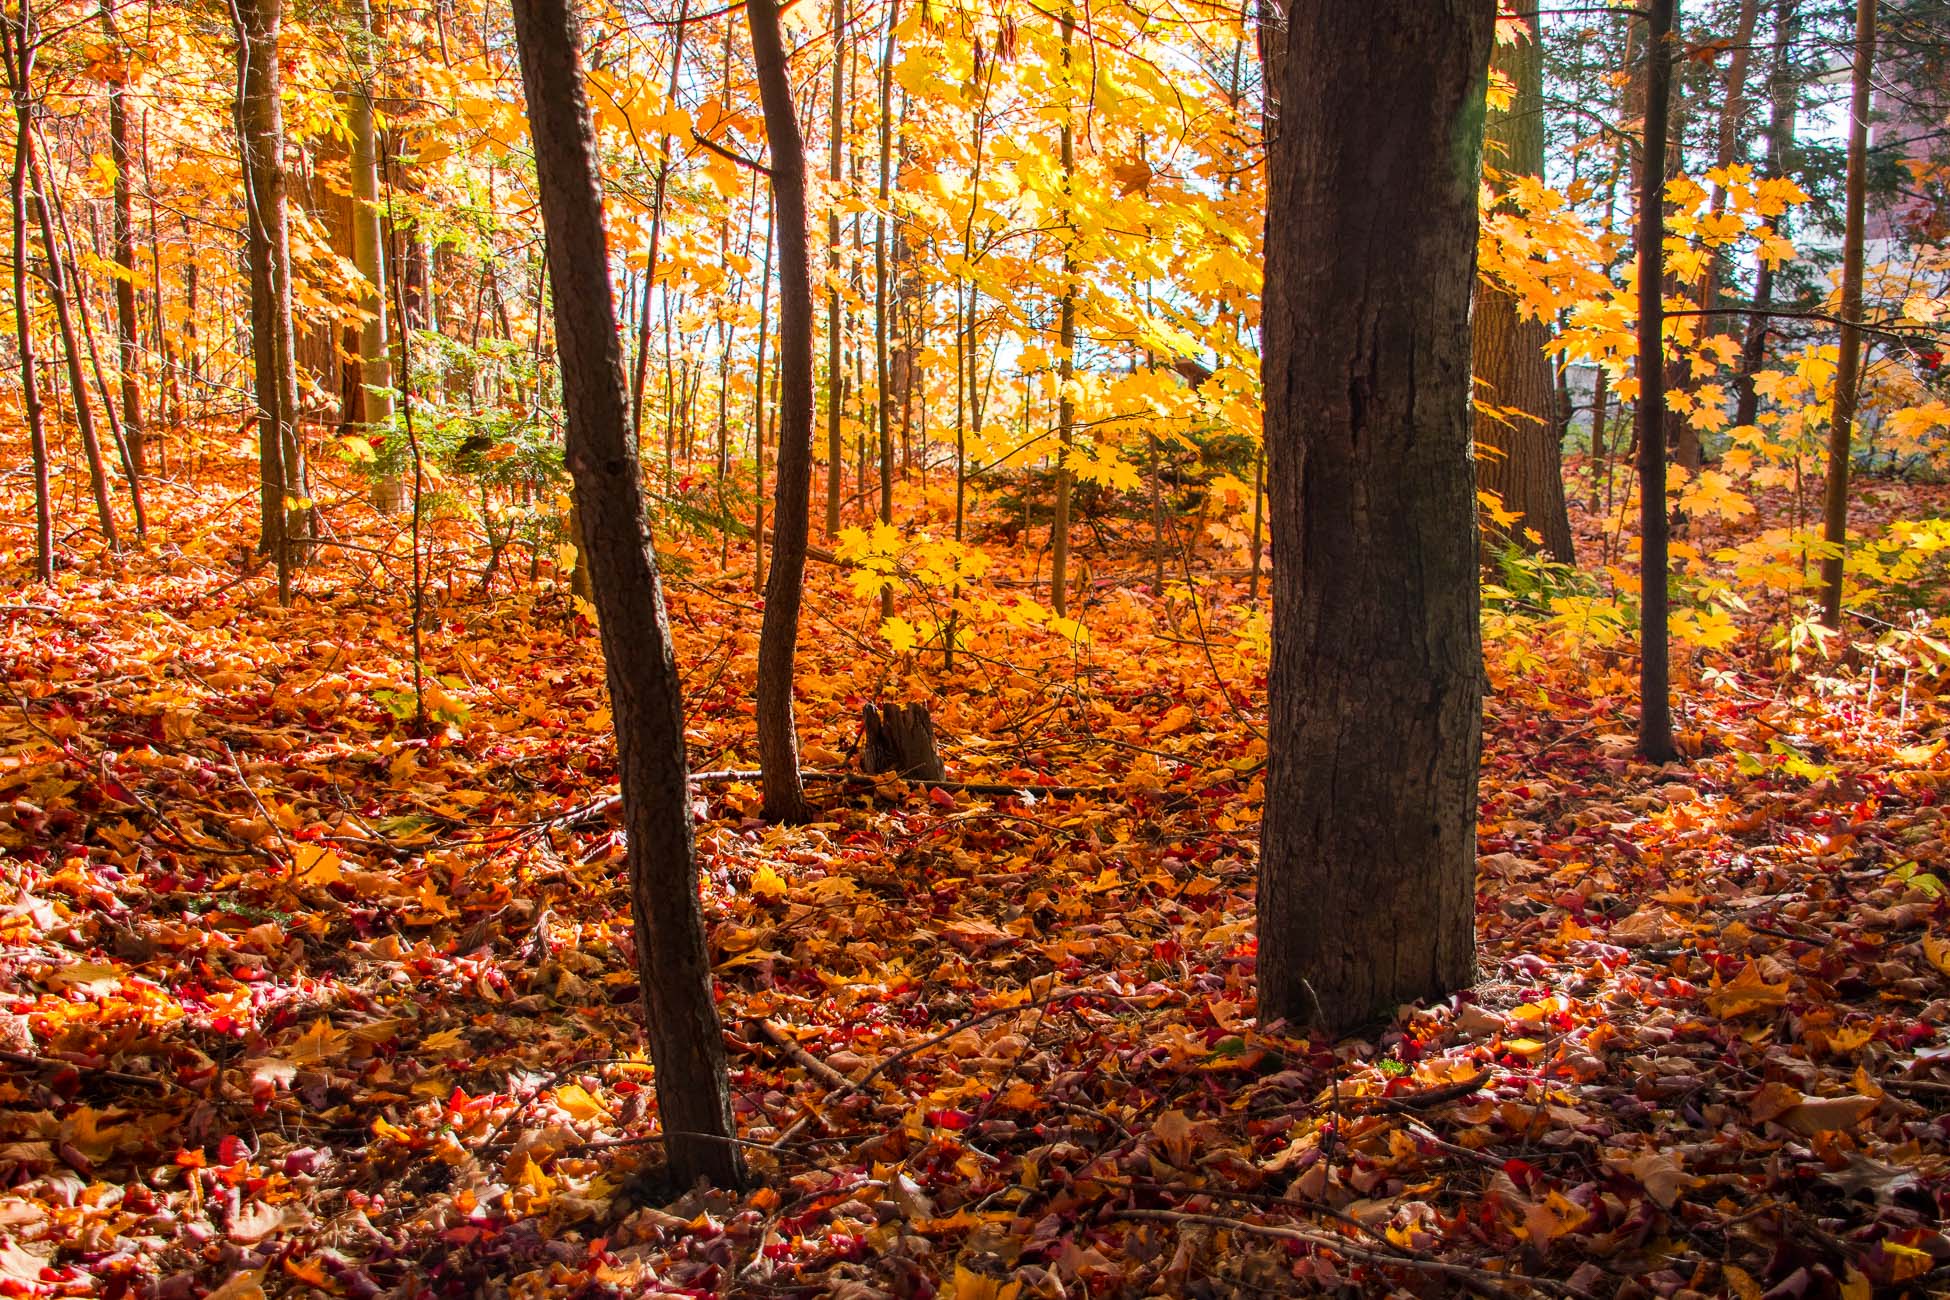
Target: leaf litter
x,y
298,1000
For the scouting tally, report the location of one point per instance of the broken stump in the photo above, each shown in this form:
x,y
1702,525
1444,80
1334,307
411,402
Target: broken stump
x,y
900,738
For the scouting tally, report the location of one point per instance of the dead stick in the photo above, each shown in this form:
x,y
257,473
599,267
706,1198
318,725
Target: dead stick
x,y
806,1060
32,1062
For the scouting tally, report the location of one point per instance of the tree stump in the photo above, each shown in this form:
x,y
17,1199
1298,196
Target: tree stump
x,y
900,738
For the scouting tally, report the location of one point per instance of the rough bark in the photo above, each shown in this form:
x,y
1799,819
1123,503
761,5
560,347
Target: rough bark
x,y
778,637
260,126
673,965
900,738
1655,709
1519,455
1848,367
1367,865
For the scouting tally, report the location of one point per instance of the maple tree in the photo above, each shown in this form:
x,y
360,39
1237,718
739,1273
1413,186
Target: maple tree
x,y
1181,826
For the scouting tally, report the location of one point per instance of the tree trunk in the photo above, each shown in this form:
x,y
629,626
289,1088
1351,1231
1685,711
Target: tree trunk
x,y
778,637
369,256
1733,107
1520,455
260,125
673,966
86,317
129,356
1367,860
64,309
835,442
17,43
1655,709
1848,367
656,235
1066,347
1780,137
883,387
900,738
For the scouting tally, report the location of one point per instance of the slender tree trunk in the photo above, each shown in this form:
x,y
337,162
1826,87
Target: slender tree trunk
x,y
1600,462
1367,861
1848,367
883,394
1733,108
758,398
86,316
1520,456
656,231
835,382
673,965
1780,138
171,383
778,638
1655,706
1066,347
369,255
260,121
64,309
17,40
130,356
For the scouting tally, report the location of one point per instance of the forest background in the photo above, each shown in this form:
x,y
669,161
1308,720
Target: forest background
x,y
319,966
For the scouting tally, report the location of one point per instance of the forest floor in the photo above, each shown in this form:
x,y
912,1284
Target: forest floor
x,y
296,1001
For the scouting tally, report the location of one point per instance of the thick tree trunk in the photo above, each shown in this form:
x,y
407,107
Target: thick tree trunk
x,y
260,125
1367,861
369,256
1848,367
673,966
1520,456
778,637
129,354
1655,709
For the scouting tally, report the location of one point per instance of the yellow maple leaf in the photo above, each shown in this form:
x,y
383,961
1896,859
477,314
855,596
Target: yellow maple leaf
x,y
1745,994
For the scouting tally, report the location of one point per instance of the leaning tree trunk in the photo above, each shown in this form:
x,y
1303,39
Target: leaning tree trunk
x,y
260,127
1367,853
1520,454
56,279
128,354
778,637
673,966
17,49
1848,367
